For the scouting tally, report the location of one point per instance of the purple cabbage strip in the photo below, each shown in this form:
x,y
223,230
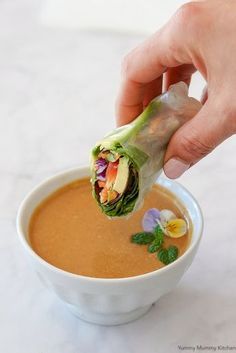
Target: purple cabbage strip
x,y
102,176
101,164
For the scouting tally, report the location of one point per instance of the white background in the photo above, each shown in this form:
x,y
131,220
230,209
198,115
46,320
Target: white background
x,y
136,16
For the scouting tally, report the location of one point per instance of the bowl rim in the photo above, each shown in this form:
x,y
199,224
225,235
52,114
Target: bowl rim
x,y
85,169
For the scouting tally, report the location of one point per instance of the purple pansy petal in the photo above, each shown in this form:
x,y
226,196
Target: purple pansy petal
x,y
150,217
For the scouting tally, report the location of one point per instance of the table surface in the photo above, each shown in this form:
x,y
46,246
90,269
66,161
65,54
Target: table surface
x,y
57,92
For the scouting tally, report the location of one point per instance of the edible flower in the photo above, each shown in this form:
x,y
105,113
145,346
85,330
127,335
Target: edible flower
x,y
171,226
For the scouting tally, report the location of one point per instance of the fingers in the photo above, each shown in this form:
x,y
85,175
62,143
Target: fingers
x,y
177,74
141,68
135,104
195,139
141,71
167,48
129,103
152,90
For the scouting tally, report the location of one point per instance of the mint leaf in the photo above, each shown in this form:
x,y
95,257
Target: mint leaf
x,y
142,238
163,256
158,240
173,252
166,256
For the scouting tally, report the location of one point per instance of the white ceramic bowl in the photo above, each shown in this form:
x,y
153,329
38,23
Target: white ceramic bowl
x,y
107,301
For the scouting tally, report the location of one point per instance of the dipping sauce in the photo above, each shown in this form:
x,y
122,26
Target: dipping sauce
x,y
69,231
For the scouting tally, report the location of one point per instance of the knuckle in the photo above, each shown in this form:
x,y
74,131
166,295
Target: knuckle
x,y
189,16
194,148
188,11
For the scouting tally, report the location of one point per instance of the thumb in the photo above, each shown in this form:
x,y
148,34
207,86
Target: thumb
x,y
195,139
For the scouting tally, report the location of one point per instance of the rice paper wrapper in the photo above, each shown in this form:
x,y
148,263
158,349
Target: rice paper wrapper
x,y
144,142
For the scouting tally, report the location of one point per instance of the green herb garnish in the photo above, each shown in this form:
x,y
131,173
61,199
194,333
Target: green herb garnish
x,y
142,238
155,242
168,255
173,253
163,256
158,231
158,240
154,246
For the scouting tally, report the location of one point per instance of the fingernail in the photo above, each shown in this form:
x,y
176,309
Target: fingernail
x,y
175,167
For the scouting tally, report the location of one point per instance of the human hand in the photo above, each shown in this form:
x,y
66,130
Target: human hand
x,y
200,36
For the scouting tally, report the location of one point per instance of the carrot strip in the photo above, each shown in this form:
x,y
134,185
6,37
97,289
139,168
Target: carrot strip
x,y
101,184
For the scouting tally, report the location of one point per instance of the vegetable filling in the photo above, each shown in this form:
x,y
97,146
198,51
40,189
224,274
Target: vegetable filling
x,y
112,174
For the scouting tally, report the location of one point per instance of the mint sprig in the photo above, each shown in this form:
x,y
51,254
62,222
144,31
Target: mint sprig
x,y
158,240
155,241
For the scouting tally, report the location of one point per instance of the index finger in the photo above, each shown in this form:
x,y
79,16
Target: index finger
x,y
146,64
139,68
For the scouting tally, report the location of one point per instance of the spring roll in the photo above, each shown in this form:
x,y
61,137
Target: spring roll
x,y
128,160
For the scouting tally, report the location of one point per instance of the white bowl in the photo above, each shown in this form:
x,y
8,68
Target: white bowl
x,y
107,301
